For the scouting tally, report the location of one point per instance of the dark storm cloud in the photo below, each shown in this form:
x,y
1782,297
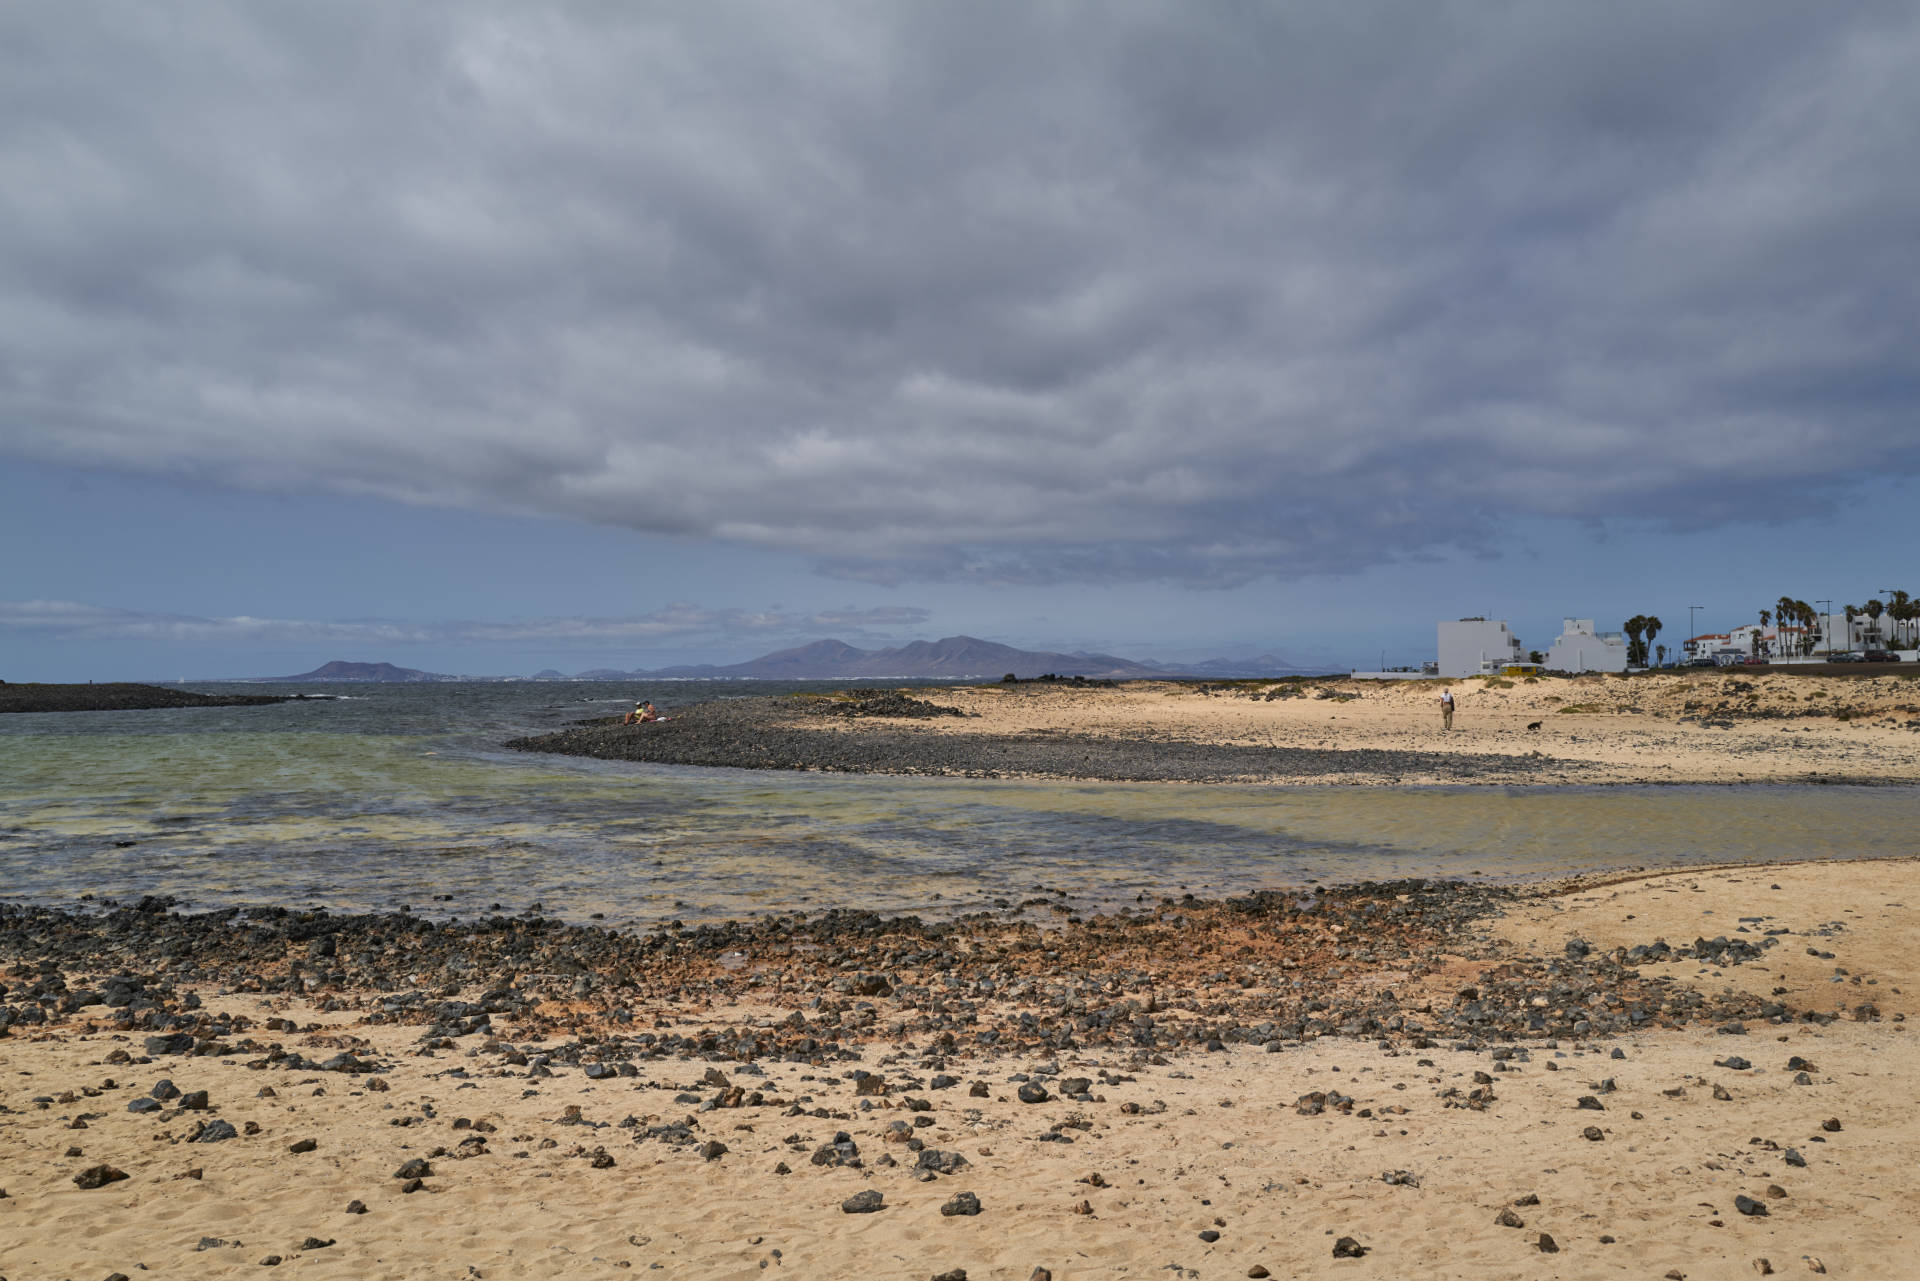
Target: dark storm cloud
x,y
997,292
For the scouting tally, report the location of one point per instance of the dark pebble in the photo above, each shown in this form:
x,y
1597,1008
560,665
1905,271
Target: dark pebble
x,y
1748,1206
1209,1236
356,1206
413,1169
1548,1245
1348,1248
961,1204
863,1202
98,1176
304,1145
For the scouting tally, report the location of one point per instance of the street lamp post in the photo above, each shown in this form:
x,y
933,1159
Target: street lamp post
x,y
1826,626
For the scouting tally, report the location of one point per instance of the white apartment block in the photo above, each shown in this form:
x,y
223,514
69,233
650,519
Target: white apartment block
x,y
1470,646
1581,649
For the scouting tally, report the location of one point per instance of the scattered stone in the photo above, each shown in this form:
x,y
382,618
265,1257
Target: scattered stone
x,y
941,1162
416,1168
1508,1219
315,1243
1348,1248
961,1204
1209,1235
863,1202
98,1176
356,1206
1033,1092
1547,1244
1258,1271
1592,1134
841,1151
216,1132
1831,1125
1748,1206
303,1145
951,1274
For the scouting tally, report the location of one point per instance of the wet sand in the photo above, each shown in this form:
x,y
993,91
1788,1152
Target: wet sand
x,y
1705,727
1403,1065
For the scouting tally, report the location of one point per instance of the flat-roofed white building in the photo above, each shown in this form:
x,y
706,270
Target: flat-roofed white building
x,y
1580,648
1470,646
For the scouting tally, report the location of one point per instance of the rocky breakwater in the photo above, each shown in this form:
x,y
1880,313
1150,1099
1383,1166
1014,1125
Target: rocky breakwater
x,y
878,734
118,696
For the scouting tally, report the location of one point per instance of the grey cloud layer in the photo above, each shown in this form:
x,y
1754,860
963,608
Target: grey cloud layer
x,y
997,292
676,623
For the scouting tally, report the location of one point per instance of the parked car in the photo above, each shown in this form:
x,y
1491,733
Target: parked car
x,y
1879,656
1753,662
1845,656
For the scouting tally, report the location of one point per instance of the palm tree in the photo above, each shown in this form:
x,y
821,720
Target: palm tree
x,y
1765,618
1651,623
1809,622
1901,606
1661,650
1852,612
1873,611
1636,647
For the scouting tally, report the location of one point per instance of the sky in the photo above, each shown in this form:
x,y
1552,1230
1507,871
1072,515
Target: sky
x,y
486,338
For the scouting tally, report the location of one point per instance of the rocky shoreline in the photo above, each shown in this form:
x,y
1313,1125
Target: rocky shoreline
x,y
1251,1086
1269,969
116,696
790,734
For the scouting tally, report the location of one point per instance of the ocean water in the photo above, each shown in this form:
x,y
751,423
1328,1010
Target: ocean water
x,y
401,794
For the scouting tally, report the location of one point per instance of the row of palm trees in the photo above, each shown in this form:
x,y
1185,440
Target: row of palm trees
x,y
1901,607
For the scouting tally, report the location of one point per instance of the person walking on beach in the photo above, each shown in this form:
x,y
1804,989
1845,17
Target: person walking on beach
x,y
1446,709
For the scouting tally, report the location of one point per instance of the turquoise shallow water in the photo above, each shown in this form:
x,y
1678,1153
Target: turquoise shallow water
x,y
401,795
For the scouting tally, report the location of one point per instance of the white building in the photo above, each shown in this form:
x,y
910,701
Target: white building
x,y
1471,646
1581,649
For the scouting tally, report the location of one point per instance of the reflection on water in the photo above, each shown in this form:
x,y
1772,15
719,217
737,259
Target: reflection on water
x,y
402,797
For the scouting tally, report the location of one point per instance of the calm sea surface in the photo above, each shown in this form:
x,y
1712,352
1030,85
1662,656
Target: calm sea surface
x,y
400,794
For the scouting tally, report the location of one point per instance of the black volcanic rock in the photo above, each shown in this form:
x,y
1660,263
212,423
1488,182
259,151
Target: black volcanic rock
x,y
117,696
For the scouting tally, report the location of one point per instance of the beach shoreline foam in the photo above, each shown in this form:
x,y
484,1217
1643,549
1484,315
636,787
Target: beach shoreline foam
x,y
1217,1087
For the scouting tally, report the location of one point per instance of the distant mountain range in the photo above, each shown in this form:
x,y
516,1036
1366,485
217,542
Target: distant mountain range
x,y
955,658
357,672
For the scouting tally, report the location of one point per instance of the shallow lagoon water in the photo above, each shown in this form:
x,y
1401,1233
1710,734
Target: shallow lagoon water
x,y
400,795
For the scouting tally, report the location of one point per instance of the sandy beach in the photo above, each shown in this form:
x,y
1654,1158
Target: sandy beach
x,y
1721,726
605,1117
